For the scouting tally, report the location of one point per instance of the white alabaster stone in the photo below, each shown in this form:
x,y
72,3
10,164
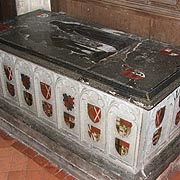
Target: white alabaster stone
x,y
175,121
159,129
8,80
93,118
67,98
25,83
45,79
124,122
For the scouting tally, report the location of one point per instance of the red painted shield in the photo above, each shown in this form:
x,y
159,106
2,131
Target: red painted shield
x,y
133,74
47,108
45,90
11,89
177,120
94,133
94,113
122,147
68,102
169,52
156,136
69,120
28,98
4,27
159,116
8,72
25,81
123,127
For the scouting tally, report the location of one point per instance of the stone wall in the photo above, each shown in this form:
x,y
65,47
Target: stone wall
x,y
25,6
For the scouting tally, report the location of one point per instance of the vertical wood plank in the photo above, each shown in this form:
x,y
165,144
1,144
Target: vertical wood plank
x,y
7,9
55,6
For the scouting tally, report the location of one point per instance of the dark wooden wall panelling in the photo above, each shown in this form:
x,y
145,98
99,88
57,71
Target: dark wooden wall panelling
x,y
154,19
7,9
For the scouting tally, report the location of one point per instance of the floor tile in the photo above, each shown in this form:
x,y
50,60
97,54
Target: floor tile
x,y
48,176
19,164
51,168
30,152
6,153
17,175
174,176
4,143
19,146
61,174
33,166
3,175
34,175
40,160
5,165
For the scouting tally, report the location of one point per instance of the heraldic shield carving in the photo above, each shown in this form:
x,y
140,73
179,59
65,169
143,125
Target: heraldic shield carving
x,y
45,90
8,72
68,102
47,108
122,147
11,89
94,133
156,136
177,120
159,116
25,81
123,127
69,120
94,113
28,98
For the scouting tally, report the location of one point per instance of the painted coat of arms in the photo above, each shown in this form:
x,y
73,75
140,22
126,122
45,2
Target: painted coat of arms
x,y
159,116
94,133
170,52
28,98
133,73
68,102
8,72
123,127
156,136
94,113
45,90
11,89
69,120
25,81
177,120
47,108
122,147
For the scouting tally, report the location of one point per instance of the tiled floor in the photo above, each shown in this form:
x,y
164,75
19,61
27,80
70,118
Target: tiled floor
x,y
19,162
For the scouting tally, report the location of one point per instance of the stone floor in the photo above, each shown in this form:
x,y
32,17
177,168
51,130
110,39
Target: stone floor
x,y
19,162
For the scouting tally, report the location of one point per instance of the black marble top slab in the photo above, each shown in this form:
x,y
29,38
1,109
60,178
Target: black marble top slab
x,y
132,66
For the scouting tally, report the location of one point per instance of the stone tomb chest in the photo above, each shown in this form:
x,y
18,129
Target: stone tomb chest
x,y
112,98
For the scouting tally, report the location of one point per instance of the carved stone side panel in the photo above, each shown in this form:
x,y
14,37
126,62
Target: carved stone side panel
x,y
67,94
8,62
25,83
175,121
93,118
123,131
45,95
158,126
